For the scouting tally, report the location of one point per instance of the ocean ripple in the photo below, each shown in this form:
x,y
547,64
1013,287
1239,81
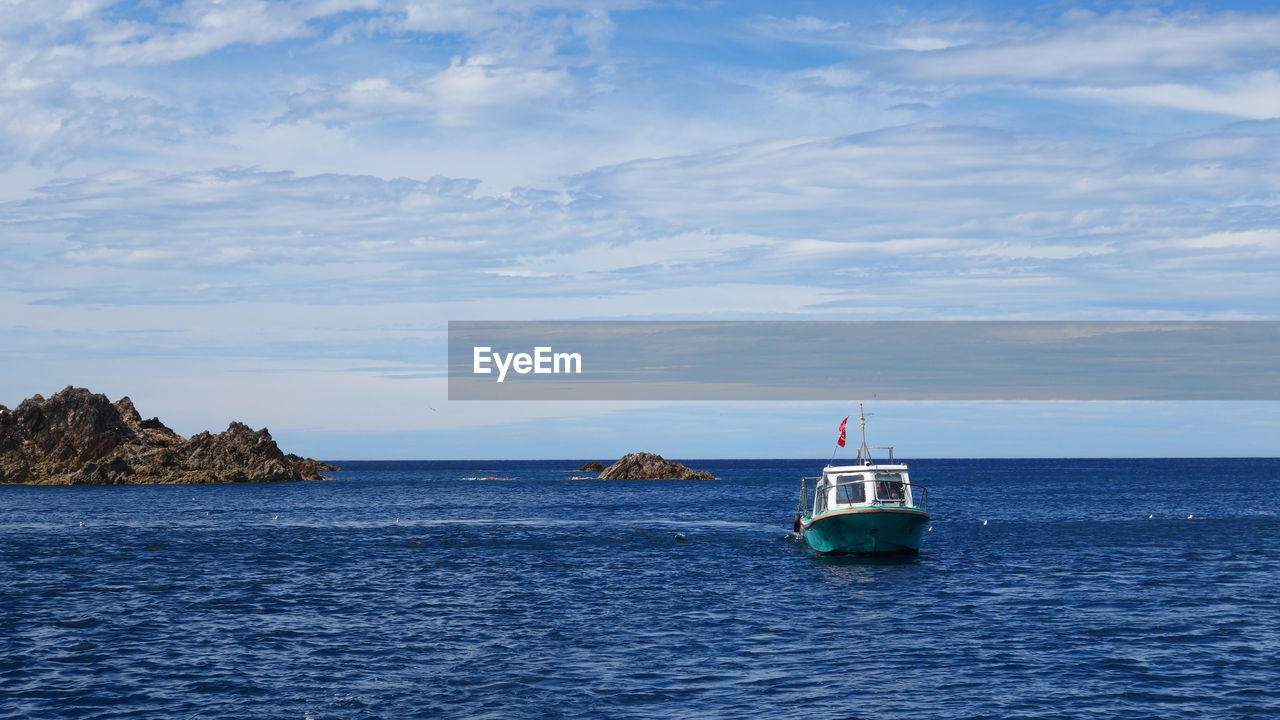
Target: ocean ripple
x,y
413,591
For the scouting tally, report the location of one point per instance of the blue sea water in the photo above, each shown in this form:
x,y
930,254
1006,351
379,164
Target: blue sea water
x,y
503,590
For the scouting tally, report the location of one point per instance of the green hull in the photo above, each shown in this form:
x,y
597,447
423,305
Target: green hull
x,y
866,531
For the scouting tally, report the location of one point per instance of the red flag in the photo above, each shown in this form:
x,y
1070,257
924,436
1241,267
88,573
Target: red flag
x,y
840,441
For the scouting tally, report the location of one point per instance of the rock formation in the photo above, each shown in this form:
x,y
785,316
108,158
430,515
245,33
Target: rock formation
x,y
310,469
592,466
647,466
76,437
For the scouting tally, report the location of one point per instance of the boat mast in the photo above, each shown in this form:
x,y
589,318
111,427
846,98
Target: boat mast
x,y
864,452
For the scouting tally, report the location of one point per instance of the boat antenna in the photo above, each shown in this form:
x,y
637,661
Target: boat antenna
x,y
864,452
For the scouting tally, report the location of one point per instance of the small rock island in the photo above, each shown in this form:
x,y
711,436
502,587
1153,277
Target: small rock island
x,y
647,466
592,466
77,437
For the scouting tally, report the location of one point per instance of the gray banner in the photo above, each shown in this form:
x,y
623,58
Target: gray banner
x,y
980,360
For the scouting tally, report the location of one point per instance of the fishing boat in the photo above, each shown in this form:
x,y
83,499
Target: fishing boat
x,y
864,508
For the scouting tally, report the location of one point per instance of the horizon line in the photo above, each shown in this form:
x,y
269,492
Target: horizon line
x,y
921,457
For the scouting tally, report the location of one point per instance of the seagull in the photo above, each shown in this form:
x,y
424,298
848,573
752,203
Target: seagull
x,y
680,537
1190,516
275,517
1150,516
984,522
930,528
81,524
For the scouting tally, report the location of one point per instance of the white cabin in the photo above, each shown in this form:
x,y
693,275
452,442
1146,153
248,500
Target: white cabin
x,y
850,486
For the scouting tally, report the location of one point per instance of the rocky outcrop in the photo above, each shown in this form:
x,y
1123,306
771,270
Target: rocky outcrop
x,y
592,466
78,437
310,469
647,466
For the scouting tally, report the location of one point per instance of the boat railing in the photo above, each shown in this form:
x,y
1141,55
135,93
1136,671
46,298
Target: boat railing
x,y
852,493
803,508
869,448
919,497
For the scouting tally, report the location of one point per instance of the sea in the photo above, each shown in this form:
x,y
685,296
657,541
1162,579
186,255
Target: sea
x,y
1125,588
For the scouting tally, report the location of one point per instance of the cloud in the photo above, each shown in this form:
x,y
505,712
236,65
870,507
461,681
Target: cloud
x,y
200,27
1118,48
26,14
860,35
53,126
687,250
889,221
58,45
475,91
912,174
67,79
120,235
1256,96
1265,240
63,36
931,204
78,79
1217,62
923,43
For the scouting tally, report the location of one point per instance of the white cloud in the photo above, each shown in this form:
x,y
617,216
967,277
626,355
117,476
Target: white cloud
x,y
692,249
1118,47
925,208
61,46
938,247
201,27
1040,251
922,43
53,128
25,14
62,65
1266,240
1256,96
467,92
927,203
806,23
456,16
1217,63
809,248
831,77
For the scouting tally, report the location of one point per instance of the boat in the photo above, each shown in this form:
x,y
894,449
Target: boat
x,y
864,508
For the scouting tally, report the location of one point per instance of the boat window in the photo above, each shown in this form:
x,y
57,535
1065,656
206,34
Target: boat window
x,y
820,498
889,491
850,490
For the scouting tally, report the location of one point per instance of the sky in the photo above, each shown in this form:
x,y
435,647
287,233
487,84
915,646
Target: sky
x,y
269,211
